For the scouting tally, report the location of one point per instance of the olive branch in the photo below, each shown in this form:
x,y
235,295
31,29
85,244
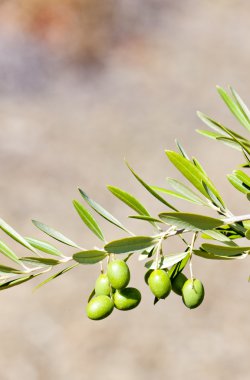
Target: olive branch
x,y
223,230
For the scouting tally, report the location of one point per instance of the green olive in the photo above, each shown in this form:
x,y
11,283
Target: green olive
x,y
159,283
127,299
118,274
102,285
99,307
178,282
193,293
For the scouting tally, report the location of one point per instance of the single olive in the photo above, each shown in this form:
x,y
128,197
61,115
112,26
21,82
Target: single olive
x,y
102,285
99,307
178,282
127,299
118,274
159,283
193,293
148,273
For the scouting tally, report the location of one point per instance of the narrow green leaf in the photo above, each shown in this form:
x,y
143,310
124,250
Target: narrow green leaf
x,y
88,219
6,269
129,200
216,235
234,108
217,136
178,267
6,251
175,194
166,262
18,281
237,183
132,244
230,232
186,191
192,173
55,276
213,197
246,154
40,260
243,177
54,234
44,246
188,221
145,217
219,127
150,190
224,251
245,146
181,149
200,167
230,142
244,109
212,256
89,257
101,211
15,235
211,135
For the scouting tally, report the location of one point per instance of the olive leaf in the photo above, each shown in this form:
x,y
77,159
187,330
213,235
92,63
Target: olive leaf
x,y
167,261
132,244
188,221
178,267
243,107
181,149
89,257
15,235
6,269
186,191
192,173
101,211
212,256
234,108
44,246
40,260
6,251
145,217
55,276
54,234
17,281
88,219
150,190
224,251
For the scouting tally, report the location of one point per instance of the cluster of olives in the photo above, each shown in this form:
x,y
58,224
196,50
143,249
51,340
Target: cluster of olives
x,y
111,291
160,284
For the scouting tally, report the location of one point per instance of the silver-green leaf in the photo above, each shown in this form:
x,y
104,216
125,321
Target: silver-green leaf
x,y
54,234
15,235
188,221
89,257
132,244
88,219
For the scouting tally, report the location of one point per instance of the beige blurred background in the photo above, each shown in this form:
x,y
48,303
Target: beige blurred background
x,y
84,84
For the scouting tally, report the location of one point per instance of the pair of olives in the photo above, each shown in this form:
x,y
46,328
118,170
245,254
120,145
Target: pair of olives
x,y
191,290
111,291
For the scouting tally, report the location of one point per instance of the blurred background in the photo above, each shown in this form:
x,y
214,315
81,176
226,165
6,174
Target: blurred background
x,y
83,84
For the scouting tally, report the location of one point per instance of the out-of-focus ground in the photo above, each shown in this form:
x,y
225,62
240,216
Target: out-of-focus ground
x,y
84,84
